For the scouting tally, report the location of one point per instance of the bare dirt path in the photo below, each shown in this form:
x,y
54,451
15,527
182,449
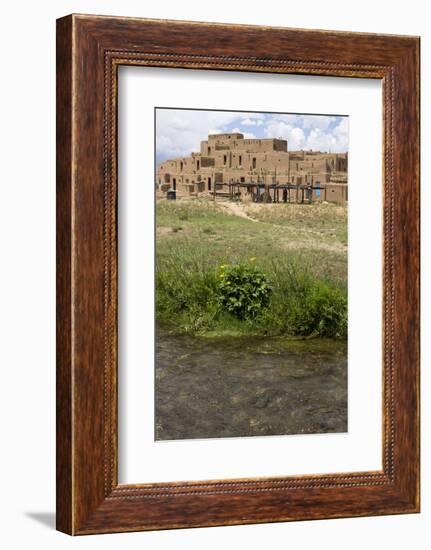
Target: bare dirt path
x,y
236,209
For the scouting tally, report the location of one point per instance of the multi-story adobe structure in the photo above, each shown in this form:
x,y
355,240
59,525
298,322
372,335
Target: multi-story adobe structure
x,y
231,161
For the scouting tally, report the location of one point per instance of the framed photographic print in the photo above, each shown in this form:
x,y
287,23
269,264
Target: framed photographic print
x,y
237,274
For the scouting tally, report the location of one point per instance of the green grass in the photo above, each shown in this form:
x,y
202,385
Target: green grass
x,y
318,221
306,267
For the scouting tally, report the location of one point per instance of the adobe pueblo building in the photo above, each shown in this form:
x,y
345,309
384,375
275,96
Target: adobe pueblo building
x,y
257,169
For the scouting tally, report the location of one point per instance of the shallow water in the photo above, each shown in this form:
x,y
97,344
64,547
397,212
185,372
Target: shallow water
x,y
248,386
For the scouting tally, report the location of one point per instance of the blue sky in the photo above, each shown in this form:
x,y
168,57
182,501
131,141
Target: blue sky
x,y
180,131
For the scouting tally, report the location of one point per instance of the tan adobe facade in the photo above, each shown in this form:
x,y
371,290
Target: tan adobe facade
x,y
228,161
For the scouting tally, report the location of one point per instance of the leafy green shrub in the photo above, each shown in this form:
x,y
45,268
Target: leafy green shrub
x,y
279,296
320,311
304,305
243,290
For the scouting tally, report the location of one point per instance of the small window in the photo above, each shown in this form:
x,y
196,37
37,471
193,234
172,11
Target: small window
x,y
224,159
240,160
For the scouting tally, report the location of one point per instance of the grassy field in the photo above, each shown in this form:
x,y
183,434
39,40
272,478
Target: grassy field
x,y
326,222
299,252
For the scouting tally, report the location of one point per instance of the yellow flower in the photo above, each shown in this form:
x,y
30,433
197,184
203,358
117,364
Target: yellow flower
x,y
253,259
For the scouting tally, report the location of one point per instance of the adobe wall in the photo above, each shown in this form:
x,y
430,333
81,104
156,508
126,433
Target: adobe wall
x,y
229,158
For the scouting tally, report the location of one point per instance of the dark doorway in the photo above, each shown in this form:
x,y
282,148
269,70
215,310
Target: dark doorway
x,y
209,184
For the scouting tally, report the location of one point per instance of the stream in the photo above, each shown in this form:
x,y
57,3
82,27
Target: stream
x,y
248,386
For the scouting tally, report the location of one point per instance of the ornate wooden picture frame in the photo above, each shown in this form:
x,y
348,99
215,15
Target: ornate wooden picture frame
x,y
89,51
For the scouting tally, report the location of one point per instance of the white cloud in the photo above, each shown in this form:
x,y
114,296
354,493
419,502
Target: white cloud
x,y
316,121
247,135
305,122
278,129
255,119
296,140
318,140
248,122
342,130
335,140
180,131
311,132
